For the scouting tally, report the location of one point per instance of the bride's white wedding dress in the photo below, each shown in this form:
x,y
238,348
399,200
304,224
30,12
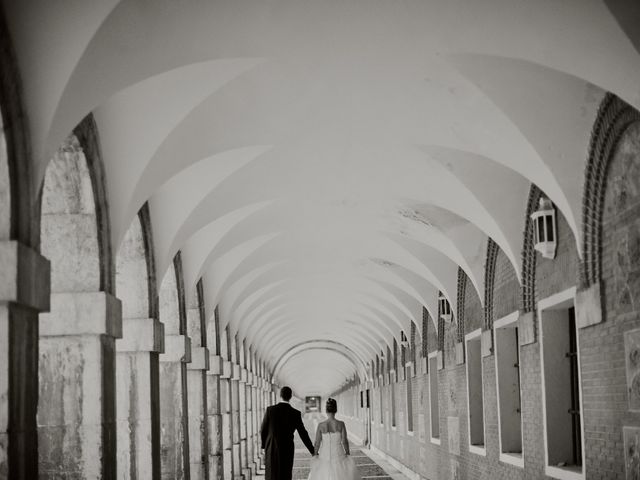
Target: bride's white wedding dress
x,y
332,463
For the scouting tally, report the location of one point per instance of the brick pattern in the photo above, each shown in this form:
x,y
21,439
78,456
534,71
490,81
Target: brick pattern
x,y
489,279
506,288
529,253
462,287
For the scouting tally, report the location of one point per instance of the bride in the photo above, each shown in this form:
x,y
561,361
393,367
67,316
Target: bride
x,y
332,460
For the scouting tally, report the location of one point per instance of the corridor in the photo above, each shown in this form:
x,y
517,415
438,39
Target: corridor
x,y
427,210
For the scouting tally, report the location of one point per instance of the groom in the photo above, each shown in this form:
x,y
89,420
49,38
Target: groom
x,y
278,425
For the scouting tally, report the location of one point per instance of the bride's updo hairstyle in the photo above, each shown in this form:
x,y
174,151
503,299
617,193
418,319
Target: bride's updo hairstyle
x,y
332,406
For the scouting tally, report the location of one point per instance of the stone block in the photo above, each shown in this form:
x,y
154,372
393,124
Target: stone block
x,y
527,328
24,276
215,365
244,375
589,306
141,335
82,313
393,376
486,343
440,361
177,349
236,369
459,353
199,359
227,370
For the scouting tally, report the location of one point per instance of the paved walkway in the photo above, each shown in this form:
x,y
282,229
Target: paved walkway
x,y
369,467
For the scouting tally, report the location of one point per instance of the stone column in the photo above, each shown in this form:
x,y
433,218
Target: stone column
x,y
251,425
257,419
235,422
198,425
245,417
225,408
77,403
137,400
214,418
174,438
24,293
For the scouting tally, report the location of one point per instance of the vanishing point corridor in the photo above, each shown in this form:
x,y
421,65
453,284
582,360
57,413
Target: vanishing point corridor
x,y
427,211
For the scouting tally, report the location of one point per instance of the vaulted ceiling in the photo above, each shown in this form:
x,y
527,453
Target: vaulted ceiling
x,y
326,166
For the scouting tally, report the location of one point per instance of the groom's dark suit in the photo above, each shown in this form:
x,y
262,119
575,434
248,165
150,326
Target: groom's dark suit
x,y
278,425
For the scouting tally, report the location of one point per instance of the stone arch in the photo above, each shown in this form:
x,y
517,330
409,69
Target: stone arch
x,y
86,133
5,188
69,231
77,339
614,118
20,221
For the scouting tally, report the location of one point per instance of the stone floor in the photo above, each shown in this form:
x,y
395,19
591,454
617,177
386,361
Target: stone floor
x,y
369,466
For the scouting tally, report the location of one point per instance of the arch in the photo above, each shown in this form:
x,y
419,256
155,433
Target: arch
x,y
69,234
529,253
22,221
462,293
359,363
132,273
489,281
614,118
86,133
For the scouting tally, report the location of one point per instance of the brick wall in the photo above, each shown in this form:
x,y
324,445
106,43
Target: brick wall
x,y
605,396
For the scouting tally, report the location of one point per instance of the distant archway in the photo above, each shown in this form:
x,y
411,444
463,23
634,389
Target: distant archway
x,y
359,363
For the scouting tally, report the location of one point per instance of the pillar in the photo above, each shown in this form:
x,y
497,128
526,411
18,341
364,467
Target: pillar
x,y
24,293
214,418
77,398
198,424
137,399
174,438
235,423
245,413
225,409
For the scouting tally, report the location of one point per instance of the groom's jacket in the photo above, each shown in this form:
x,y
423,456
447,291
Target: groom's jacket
x,y
278,426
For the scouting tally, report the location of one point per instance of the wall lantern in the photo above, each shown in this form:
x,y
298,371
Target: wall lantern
x,y
544,228
444,307
403,340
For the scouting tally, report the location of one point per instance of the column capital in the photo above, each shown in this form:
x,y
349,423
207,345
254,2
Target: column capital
x,y
177,348
199,359
244,375
227,369
82,313
215,365
24,276
141,335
